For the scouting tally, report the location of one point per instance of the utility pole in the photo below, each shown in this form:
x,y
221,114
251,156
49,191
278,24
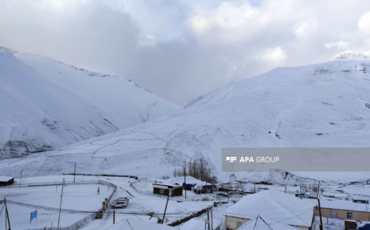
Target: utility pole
x,y
74,178
209,226
185,178
20,180
6,224
318,200
318,189
7,219
212,217
114,216
164,214
206,185
60,207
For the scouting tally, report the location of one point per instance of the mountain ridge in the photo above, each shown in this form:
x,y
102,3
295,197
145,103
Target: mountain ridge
x,y
110,104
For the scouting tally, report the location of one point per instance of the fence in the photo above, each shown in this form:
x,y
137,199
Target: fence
x,y
102,174
35,184
221,226
74,226
111,185
86,219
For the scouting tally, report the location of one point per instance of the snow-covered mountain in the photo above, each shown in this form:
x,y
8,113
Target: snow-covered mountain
x,y
349,55
321,105
128,103
46,104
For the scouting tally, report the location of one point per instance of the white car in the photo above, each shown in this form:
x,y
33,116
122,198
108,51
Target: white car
x,y
119,203
123,198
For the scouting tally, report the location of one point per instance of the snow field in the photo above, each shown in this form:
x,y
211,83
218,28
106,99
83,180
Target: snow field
x,y
79,201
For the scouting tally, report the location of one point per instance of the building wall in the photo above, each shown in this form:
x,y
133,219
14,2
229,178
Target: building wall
x,y
175,192
231,223
301,228
342,214
6,183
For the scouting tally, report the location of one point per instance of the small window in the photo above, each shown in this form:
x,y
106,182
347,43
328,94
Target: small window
x,y
238,224
333,214
350,215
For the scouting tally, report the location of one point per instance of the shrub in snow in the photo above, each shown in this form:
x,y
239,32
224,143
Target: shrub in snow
x,y
206,198
165,177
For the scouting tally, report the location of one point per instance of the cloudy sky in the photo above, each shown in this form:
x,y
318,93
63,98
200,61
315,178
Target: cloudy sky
x,y
180,49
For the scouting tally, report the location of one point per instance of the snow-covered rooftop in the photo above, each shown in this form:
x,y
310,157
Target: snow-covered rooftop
x,y
339,204
356,197
195,224
341,195
261,223
180,179
5,178
275,205
192,224
161,185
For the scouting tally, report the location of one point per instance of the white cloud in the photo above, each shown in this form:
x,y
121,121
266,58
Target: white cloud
x,y
273,55
338,45
198,24
364,23
181,49
306,29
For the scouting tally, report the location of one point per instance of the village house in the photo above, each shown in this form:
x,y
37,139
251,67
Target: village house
x,y
274,205
342,209
179,180
339,196
6,180
262,223
167,189
361,199
308,195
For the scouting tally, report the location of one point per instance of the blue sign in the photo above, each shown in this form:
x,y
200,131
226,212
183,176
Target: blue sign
x,y
208,186
33,215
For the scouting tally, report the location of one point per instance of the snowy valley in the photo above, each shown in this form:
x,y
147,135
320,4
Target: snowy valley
x,y
104,158
321,105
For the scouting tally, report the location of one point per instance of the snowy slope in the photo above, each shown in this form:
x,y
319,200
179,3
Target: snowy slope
x,y
47,105
127,102
322,105
37,115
